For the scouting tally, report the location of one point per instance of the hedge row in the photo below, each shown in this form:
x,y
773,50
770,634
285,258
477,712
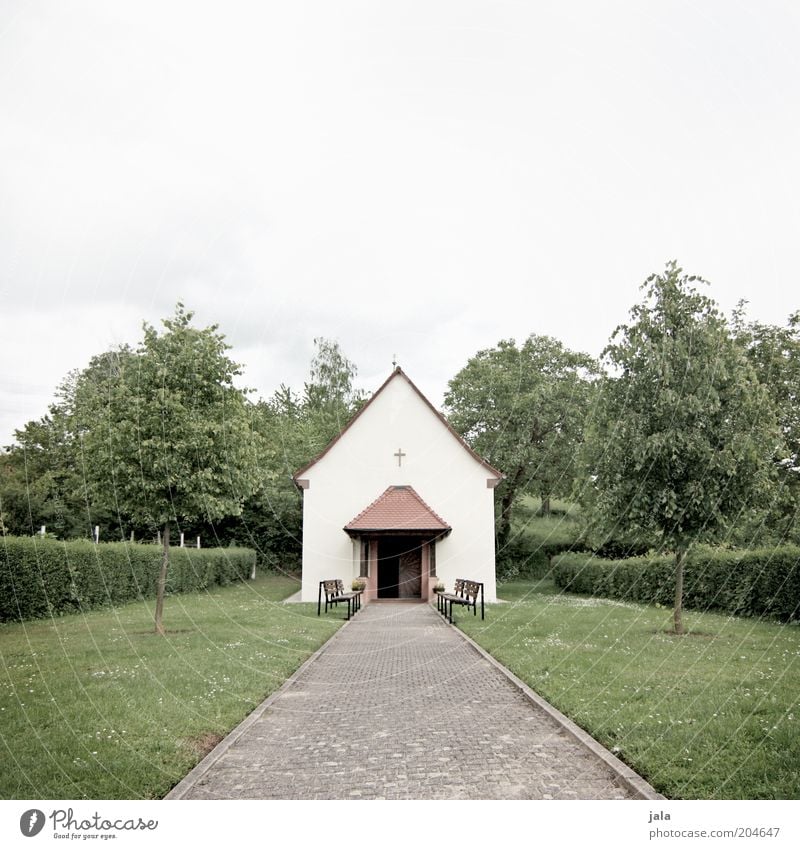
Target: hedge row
x,y
44,577
763,582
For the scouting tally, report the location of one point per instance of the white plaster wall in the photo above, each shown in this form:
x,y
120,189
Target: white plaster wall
x,y
361,465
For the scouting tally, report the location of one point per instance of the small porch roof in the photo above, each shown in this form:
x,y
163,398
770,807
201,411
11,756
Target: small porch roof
x,y
398,509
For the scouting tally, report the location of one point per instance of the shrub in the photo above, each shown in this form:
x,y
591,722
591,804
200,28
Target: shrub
x,y
762,582
43,577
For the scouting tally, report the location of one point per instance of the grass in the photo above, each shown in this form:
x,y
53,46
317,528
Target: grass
x,y
712,715
534,538
97,706
561,527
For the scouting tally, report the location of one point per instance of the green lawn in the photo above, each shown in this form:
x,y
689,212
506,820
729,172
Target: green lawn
x,y
97,706
712,715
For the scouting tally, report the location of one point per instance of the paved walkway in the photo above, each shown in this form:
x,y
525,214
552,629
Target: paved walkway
x,y
399,705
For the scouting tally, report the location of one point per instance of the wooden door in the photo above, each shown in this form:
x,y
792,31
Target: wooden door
x,y
410,583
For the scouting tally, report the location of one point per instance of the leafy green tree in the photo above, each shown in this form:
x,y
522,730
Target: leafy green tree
x,y
329,397
774,353
680,444
29,495
522,408
271,517
294,427
43,481
168,437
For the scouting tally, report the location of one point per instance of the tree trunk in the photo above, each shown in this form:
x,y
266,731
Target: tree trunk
x,y
162,582
544,510
680,557
504,525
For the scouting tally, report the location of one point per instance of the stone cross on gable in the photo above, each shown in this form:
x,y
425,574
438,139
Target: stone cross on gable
x,y
400,454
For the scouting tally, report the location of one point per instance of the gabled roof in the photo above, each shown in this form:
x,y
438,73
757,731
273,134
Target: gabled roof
x,y
397,373
399,508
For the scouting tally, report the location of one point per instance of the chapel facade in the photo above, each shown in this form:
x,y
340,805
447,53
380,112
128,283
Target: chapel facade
x,y
399,499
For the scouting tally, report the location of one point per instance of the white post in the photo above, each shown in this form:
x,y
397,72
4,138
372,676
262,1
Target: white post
x,y
131,536
253,573
42,531
198,542
181,539
158,537
97,533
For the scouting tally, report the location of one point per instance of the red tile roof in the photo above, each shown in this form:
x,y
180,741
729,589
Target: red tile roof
x,y
399,508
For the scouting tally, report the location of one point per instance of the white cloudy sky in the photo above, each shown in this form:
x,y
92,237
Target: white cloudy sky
x,y
420,178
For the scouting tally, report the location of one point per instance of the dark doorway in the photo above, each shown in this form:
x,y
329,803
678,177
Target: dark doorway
x,y
399,567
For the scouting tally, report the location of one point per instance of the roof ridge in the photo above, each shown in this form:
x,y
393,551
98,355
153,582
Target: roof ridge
x,y
398,372
422,501
427,518
369,506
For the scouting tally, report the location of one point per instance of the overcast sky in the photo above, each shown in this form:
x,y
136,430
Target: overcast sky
x,y
420,178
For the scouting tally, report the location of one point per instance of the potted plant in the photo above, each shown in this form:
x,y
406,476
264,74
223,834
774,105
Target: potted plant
x,y
358,585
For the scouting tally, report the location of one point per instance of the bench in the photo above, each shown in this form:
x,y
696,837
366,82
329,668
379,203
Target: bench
x,y
334,593
464,593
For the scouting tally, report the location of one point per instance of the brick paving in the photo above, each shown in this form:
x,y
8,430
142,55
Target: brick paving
x,y
398,705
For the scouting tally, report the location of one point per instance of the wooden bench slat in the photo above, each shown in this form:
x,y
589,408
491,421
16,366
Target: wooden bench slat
x,y
465,593
334,593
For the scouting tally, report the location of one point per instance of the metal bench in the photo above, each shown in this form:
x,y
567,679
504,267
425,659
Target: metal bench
x,y
333,589
465,593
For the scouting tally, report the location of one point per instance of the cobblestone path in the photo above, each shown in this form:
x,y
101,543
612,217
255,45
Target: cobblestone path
x,y
399,706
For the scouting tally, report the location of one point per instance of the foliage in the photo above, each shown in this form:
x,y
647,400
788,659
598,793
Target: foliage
x,y
42,479
758,582
774,353
168,438
49,477
522,408
329,399
294,428
535,538
44,577
680,444
38,487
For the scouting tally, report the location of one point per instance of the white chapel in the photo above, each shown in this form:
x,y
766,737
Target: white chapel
x,y
400,499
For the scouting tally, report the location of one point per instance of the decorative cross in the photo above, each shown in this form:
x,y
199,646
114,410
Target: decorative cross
x,y
400,454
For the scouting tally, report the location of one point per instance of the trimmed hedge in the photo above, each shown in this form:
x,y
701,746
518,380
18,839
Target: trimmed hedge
x,y
44,577
762,582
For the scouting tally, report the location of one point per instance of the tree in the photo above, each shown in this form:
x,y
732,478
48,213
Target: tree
x,y
680,444
522,409
294,427
774,353
42,475
329,399
271,517
167,436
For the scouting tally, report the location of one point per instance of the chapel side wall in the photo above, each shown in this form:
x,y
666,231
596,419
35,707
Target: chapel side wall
x,y
362,464
471,553
327,550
